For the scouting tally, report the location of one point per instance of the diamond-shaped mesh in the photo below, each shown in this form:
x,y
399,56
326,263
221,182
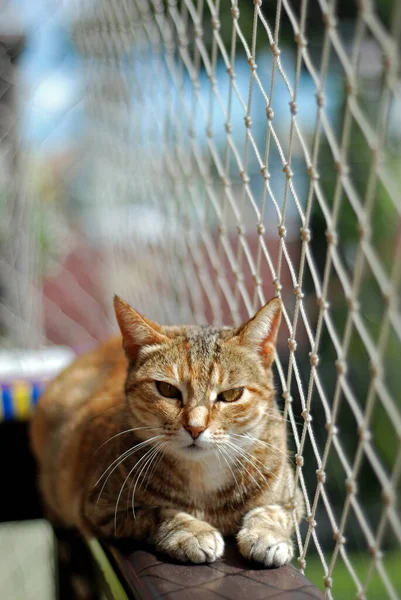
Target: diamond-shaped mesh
x,y
235,152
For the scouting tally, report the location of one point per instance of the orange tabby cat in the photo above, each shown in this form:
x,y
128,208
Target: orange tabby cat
x,y
175,440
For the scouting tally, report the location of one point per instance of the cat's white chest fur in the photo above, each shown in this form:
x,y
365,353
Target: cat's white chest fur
x,y
207,475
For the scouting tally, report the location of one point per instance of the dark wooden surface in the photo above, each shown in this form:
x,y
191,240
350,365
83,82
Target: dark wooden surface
x,y
149,576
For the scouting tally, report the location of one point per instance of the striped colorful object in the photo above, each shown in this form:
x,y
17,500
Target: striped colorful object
x,y
24,375
18,398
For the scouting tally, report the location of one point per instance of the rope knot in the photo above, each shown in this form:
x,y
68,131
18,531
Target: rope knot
x,y
300,40
275,49
298,292
287,171
341,366
282,231
312,173
350,485
252,64
328,582
339,538
311,521
320,99
277,285
299,460
329,20
331,428
331,237
269,113
305,234
248,122
322,303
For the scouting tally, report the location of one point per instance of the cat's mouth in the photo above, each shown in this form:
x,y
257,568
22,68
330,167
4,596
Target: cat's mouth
x,y
194,446
194,449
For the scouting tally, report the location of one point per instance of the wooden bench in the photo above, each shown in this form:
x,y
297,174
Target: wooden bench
x,y
132,571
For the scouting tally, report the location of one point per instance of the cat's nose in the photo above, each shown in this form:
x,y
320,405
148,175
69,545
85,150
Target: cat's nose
x,y
194,431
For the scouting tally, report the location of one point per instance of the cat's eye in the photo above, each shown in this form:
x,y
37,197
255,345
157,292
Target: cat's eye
x,y
231,395
167,390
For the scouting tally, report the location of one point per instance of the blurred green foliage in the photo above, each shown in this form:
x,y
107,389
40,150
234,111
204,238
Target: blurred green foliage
x,y
343,584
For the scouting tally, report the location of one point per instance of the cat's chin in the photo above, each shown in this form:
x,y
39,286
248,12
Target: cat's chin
x,y
193,451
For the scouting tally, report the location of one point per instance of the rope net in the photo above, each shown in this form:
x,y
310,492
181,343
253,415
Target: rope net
x,y
230,153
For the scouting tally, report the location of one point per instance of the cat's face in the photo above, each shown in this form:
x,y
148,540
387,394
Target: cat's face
x,y
202,390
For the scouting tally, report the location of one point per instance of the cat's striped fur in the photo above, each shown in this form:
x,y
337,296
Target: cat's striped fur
x,y
120,459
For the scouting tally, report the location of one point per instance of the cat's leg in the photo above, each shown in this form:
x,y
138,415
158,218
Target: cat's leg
x,y
265,535
173,532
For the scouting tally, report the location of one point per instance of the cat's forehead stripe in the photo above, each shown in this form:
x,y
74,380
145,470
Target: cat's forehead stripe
x,y
202,344
202,353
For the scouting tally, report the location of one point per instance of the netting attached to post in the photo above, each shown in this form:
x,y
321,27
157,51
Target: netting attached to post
x,y
241,151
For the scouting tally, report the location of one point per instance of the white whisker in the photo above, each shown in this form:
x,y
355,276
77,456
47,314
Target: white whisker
x,y
150,454
243,455
146,464
137,446
155,449
156,464
272,414
123,432
123,485
256,440
223,453
118,461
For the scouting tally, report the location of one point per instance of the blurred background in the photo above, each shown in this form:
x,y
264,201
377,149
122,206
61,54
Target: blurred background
x,y
198,158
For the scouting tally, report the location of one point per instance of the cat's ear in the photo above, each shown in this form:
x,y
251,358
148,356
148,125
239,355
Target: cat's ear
x,y
137,331
260,333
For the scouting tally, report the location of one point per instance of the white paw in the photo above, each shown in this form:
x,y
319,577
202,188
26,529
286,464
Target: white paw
x,y
200,547
263,547
278,554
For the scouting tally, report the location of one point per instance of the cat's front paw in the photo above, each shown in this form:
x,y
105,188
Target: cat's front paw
x,y
264,546
191,541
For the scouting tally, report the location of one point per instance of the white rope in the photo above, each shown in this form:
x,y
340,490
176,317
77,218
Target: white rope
x,y
333,259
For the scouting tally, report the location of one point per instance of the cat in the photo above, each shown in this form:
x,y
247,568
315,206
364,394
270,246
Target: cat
x,y
171,435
